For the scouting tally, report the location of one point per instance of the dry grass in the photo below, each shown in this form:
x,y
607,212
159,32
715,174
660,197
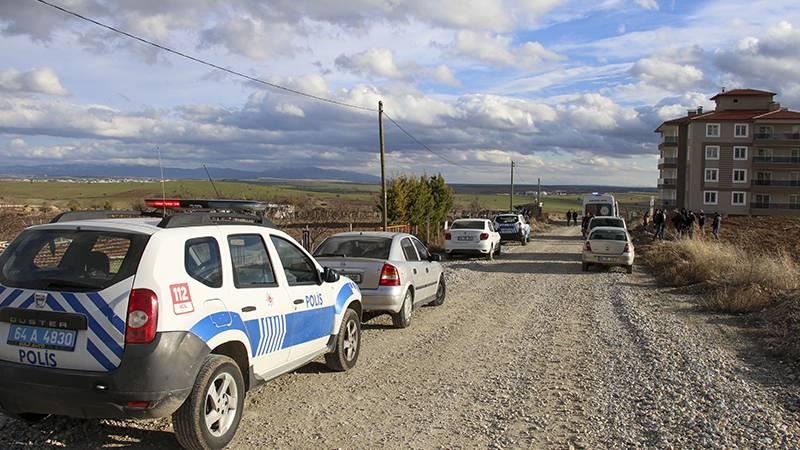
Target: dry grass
x,y
732,279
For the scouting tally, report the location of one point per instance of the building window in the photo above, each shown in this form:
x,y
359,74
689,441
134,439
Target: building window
x,y
761,200
740,153
794,201
765,130
740,175
712,130
712,152
740,130
710,197
738,199
712,175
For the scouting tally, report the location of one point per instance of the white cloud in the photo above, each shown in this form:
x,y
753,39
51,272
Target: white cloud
x,y
373,62
667,74
290,110
497,50
444,75
647,4
251,37
43,81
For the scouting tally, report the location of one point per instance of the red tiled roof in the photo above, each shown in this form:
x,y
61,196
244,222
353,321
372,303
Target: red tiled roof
x,y
743,92
729,115
678,121
781,114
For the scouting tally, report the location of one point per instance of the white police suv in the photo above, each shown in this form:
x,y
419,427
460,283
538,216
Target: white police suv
x,y
110,317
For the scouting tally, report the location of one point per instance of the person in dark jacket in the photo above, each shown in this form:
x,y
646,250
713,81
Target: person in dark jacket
x,y
715,224
701,222
690,221
678,222
657,223
585,223
574,218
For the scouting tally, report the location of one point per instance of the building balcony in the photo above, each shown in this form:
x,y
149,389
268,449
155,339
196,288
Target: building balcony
x,y
777,183
774,206
669,141
667,163
776,160
667,183
777,136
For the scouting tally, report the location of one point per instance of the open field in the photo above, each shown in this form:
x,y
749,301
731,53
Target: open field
x,y
125,195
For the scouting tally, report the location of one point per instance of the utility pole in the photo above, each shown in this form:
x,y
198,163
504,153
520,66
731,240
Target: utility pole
x,y
383,168
539,190
511,198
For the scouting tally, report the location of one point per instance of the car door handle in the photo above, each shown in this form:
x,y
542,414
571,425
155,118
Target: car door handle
x,y
415,271
427,270
298,301
248,309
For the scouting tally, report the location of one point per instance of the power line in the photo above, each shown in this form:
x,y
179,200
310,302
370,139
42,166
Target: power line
x,y
400,127
204,62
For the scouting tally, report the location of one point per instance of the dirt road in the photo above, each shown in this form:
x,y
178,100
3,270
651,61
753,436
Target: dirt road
x,y
527,351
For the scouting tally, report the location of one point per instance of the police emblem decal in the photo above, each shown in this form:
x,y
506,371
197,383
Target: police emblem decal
x,y
40,298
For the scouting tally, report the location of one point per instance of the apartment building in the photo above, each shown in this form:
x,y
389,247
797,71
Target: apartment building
x,y
741,158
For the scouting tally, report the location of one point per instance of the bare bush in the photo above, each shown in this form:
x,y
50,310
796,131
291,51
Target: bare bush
x,y
732,279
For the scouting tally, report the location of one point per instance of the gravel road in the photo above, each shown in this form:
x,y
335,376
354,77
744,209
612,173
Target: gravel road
x,y
526,352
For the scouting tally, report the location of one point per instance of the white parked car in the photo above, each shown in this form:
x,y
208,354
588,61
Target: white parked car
x,y
136,318
604,221
474,237
395,272
608,246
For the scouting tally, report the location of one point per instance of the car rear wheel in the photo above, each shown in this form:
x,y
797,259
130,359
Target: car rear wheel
x,y
208,419
629,268
585,267
402,319
499,250
523,240
441,292
490,255
348,344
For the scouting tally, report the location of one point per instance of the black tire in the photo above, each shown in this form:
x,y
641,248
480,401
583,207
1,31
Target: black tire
x,y
499,250
585,267
342,358
29,418
523,241
629,269
402,318
189,420
441,293
490,255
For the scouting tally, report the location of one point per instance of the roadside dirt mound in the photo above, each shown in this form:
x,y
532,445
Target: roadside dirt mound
x,y
760,235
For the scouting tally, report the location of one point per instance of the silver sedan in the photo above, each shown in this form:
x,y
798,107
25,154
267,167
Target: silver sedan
x,y
395,271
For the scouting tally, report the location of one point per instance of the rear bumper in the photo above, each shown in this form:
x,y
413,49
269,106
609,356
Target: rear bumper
x,y
474,248
385,298
608,260
161,373
515,236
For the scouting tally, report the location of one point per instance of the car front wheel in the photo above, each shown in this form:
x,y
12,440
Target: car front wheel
x,y
209,417
348,344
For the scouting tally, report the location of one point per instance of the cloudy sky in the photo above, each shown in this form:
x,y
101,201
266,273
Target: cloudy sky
x,y
570,89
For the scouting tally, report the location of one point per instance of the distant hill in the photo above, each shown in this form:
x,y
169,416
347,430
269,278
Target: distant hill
x,y
522,188
135,171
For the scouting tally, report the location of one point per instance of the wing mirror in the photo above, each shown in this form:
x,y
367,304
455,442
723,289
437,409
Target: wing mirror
x,y
435,258
330,276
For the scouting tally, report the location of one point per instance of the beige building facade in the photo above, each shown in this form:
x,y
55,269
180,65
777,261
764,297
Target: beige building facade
x,y
743,158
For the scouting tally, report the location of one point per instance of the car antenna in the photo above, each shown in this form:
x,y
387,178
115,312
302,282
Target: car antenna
x,y
212,181
163,189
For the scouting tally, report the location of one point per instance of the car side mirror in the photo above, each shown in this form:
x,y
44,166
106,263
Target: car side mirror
x,y
434,257
330,276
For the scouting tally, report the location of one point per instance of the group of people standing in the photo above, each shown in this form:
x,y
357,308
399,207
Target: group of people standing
x,y
684,222
572,217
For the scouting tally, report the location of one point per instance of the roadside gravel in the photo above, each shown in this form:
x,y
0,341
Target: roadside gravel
x,y
527,351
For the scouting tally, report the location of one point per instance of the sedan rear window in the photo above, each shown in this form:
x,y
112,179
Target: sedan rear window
x,y
71,260
607,223
608,235
506,219
468,225
354,247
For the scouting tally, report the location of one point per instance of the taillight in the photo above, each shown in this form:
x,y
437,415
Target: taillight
x,y
484,236
390,276
627,248
447,236
588,246
162,203
142,317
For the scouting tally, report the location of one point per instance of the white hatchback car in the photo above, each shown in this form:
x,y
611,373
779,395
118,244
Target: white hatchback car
x,y
608,246
141,318
475,237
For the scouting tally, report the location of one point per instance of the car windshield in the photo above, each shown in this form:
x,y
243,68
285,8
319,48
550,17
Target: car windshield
x,y
599,209
468,225
506,219
608,235
606,222
355,247
71,260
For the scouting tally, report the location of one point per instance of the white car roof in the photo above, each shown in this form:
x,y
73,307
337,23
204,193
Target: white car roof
x,y
379,234
467,218
607,217
609,229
